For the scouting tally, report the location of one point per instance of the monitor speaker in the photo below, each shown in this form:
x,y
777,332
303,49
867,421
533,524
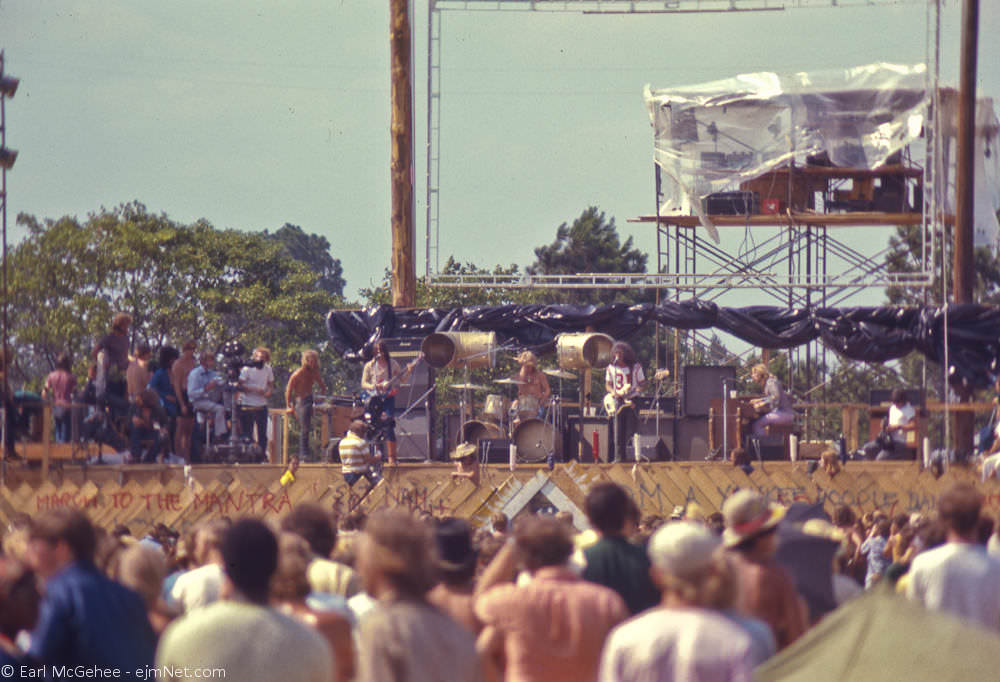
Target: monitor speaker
x,y
692,438
701,384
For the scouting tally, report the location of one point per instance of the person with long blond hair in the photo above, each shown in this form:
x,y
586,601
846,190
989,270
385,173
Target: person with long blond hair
x,y
299,396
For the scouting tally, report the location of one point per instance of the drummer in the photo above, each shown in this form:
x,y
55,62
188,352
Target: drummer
x,y
532,389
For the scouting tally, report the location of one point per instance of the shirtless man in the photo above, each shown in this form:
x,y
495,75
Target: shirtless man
x,y
299,396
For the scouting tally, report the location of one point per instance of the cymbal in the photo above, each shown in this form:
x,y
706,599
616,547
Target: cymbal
x,y
511,382
469,387
559,373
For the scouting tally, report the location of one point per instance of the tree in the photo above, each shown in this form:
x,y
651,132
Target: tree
x,y
314,251
590,244
177,282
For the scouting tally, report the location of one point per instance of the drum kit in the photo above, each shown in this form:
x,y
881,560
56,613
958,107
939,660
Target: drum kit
x,y
534,431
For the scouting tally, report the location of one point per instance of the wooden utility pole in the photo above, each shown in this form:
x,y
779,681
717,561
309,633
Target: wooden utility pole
x,y
404,272
964,274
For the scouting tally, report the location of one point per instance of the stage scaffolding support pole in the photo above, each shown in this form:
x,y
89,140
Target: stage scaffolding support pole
x,y
404,273
964,275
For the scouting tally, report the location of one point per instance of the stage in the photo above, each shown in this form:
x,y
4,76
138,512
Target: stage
x,y
140,496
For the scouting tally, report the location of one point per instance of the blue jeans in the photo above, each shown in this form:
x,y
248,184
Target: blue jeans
x,y
62,417
372,477
304,413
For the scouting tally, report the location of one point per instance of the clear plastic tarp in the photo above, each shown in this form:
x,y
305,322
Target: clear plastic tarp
x,y
711,137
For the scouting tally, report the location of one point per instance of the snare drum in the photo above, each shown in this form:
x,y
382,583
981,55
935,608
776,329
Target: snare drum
x,y
494,406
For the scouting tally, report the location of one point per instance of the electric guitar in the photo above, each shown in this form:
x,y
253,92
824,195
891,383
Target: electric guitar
x,y
613,404
393,388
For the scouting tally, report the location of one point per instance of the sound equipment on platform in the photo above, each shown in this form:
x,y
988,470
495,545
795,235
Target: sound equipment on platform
x,y
494,450
769,448
701,384
732,203
590,425
412,432
692,438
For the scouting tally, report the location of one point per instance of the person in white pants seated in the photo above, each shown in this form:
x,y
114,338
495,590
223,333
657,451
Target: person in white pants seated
x,y
204,387
891,443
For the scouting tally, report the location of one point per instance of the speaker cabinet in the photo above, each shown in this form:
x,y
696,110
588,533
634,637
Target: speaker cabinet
x,y
692,438
701,384
590,425
412,442
648,447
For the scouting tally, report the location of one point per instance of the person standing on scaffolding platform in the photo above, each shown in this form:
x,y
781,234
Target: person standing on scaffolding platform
x,y
379,377
299,397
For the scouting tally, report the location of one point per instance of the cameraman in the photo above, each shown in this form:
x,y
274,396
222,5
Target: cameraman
x,y
204,386
256,384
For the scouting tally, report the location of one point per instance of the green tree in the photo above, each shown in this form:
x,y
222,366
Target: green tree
x,y
590,244
177,282
314,251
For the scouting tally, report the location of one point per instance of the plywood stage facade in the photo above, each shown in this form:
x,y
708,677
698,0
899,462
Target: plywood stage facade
x,y
139,497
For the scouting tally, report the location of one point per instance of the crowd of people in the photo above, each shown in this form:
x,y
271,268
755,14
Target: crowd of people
x,y
399,595
159,409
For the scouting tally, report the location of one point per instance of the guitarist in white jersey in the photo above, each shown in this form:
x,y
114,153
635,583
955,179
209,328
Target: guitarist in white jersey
x,y
623,379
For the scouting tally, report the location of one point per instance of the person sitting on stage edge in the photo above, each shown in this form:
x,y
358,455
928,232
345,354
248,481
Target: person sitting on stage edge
x,y
466,465
533,390
299,397
623,380
891,442
378,377
355,455
775,401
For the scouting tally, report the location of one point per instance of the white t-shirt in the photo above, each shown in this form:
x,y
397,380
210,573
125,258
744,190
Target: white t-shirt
x,y
619,376
901,416
961,579
256,379
677,644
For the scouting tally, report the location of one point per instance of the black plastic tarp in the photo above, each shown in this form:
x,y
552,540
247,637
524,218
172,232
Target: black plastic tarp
x,y
868,334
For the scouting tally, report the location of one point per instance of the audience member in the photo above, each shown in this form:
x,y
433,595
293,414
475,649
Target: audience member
x,y
241,634
684,638
19,601
958,577
316,527
873,549
290,591
456,561
143,569
85,618
202,585
404,638
553,627
766,590
613,561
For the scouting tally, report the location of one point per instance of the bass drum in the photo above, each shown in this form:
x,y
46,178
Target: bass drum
x,y
474,431
534,438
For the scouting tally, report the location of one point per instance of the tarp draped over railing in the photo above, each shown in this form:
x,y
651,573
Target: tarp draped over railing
x,y
868,334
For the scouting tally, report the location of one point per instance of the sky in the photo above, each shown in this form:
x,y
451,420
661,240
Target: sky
x,y
254,114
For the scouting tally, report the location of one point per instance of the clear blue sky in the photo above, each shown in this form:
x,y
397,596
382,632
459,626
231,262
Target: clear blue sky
x,y
251,114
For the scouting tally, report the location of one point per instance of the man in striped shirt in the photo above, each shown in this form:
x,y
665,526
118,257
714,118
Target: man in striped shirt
x,y
355,455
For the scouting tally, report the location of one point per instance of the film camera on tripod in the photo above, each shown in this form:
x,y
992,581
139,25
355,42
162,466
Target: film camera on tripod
x,y
240,447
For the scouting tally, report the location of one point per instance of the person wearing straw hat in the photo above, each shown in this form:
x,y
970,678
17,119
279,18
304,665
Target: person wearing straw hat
x,y
533,390
767,590
685,637
466,466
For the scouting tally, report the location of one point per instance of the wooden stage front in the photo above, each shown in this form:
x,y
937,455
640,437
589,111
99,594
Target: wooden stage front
x,y
140,496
